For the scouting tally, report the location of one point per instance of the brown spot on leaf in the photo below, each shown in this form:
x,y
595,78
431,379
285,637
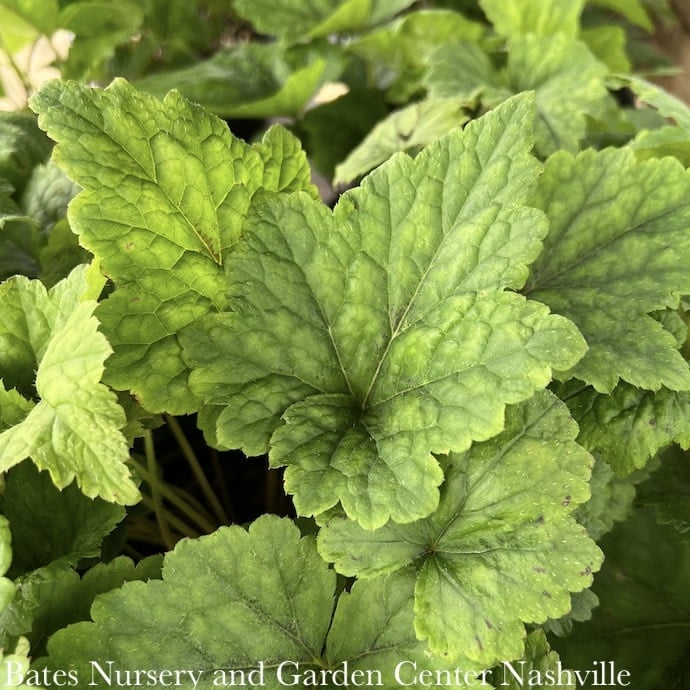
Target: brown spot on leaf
x,y
566,501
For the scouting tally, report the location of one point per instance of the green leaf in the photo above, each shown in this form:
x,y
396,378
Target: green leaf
x,y
19,238
261,597
633,10
55,596
166,186
333,129
99,26
48,524
666,141
408,129
629,426
611,502
502,547
615,253
397,54
535,63
358,344
544,64
41,14
608,45
540,668
666,103
7,588
74,429
15,663
251,80
295,19
667,492
642,622
47,194
13,407
513,18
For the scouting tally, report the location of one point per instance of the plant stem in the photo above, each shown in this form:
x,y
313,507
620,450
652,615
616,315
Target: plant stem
x,y
154,483
170,495
198,472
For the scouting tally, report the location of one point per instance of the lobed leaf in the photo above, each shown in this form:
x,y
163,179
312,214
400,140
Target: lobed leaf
x,y
408,129
74,430
166,186
50,525
261,597
513,18
629,426
501,549
620,231
363,340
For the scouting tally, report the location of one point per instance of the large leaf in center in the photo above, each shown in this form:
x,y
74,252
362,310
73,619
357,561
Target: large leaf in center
x,y
364,340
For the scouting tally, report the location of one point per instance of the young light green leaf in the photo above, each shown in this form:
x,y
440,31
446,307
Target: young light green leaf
x,y
15,663
262,597
629,426
363,340
513,18
502,547
74,429
7,588
165,188
620,232
408,129
50,525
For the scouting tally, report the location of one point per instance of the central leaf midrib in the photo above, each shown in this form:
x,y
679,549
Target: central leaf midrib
x,y
398,328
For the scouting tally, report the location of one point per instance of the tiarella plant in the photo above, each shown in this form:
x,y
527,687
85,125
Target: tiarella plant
x,y
462,373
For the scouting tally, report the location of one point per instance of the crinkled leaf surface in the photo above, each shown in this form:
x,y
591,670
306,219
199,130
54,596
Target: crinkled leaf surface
x,y
48,524
165,188
262,595
501,549
630,425
74,430
55,596
616,251
363,340
408,129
